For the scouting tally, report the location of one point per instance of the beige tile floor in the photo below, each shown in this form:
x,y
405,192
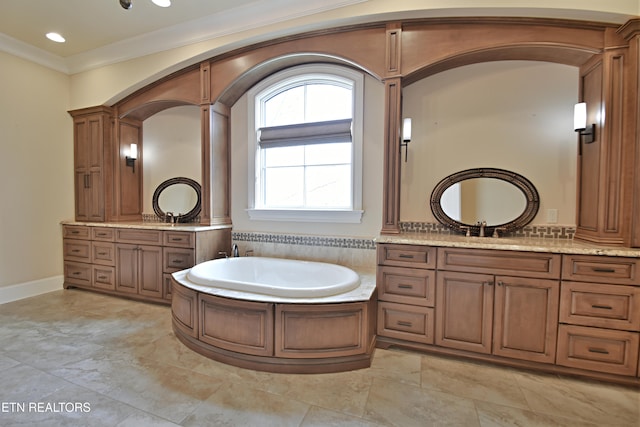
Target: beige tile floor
x,y
120,359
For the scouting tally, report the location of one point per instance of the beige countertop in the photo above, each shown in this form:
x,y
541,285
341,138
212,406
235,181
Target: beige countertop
x,y
559,246
149,225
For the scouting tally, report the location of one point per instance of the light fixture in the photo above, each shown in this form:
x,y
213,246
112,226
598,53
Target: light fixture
x,y
55,37
406,137
587,134
162,3
132,157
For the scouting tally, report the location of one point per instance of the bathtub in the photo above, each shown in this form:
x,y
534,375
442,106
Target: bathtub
x,y
275,277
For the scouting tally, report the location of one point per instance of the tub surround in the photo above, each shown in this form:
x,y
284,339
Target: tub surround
x,y
275,334
135,259
547,304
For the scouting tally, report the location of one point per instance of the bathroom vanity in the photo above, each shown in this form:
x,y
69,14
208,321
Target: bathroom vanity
x,y
552,305
136,259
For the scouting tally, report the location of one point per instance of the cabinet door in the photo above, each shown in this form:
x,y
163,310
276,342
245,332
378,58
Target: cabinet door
x,y
526,318
464,311
150,271
127,268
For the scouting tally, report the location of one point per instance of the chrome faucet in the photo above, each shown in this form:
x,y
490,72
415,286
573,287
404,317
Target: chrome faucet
x,y
169,217
482,225
234,250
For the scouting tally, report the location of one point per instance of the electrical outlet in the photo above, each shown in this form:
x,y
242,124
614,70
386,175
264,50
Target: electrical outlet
x,y
552,216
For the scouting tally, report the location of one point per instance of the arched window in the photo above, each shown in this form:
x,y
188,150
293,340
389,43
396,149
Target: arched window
x,y
306,139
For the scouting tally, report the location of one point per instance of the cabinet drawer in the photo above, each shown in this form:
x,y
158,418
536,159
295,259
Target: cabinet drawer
x,y
75,232
103,233
605,306
103,253
599,269
104,277
77,273
183,239
132,235
407,285
510,263
407,256
405,322
176,259
77,250
604,350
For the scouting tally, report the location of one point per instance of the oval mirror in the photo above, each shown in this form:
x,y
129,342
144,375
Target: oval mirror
x,y
503,199
180,197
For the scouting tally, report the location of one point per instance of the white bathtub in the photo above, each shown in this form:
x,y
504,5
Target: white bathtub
x,y
276,277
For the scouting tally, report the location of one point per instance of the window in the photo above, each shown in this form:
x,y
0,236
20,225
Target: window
x,y
306,138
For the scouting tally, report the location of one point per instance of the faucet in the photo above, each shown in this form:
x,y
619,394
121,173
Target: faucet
x,y
482,225
234,250
169,217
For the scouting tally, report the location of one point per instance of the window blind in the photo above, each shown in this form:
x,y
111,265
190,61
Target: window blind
x,y
305,133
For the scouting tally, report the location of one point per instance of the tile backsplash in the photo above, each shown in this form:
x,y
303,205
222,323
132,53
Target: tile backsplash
x,y
548,231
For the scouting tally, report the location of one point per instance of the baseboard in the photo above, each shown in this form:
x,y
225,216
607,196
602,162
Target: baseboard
x,y
30,289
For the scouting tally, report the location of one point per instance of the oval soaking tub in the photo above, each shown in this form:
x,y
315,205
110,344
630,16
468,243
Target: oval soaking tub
x,y
275,276
276,315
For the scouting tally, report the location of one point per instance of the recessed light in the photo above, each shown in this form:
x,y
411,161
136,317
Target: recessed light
x,y
162,3
56,37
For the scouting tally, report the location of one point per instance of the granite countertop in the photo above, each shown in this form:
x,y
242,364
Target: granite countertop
x,y
150,225
361,293
559,246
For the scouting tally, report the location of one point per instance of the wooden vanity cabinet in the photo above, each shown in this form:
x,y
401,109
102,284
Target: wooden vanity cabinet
x,y
135,262
406,289
93,129
511,316
600,314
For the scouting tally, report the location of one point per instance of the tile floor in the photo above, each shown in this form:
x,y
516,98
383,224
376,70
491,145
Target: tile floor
x,y
75,358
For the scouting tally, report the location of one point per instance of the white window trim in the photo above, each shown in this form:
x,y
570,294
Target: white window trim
x,y
353,215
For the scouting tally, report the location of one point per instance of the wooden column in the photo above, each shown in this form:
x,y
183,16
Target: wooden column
x,y
631,33
216,188
393,117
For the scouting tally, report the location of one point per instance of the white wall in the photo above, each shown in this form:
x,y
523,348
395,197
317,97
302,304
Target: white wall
x,y
36,170
514,115
372,174
171,148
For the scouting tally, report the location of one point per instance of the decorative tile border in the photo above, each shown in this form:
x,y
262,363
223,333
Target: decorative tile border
x,y
531,231
292,239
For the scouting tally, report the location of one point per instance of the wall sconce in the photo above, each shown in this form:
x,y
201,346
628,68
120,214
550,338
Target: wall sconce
x,y
406,137
132,157
587,134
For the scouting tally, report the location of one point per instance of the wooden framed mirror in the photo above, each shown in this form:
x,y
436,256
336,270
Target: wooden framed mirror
x,y
179,197
507,201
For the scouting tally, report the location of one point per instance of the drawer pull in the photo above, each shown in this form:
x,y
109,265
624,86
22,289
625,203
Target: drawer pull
x,y
75,232
401,323
406,256
102,277
76,273
603,270
176,239
101,234
598,350
603,307
177,261
102,253
75,251
405,286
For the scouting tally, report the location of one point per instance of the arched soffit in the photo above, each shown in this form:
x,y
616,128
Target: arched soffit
x,y
178,89
437,45
244,82
566,55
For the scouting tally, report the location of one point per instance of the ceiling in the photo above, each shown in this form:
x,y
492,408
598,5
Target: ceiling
x,y
101,32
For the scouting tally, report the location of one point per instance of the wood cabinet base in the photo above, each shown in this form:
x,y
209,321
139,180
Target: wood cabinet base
x,y
275,337
385,343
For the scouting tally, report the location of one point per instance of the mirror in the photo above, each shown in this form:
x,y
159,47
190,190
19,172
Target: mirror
x,y
505,200
180,197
